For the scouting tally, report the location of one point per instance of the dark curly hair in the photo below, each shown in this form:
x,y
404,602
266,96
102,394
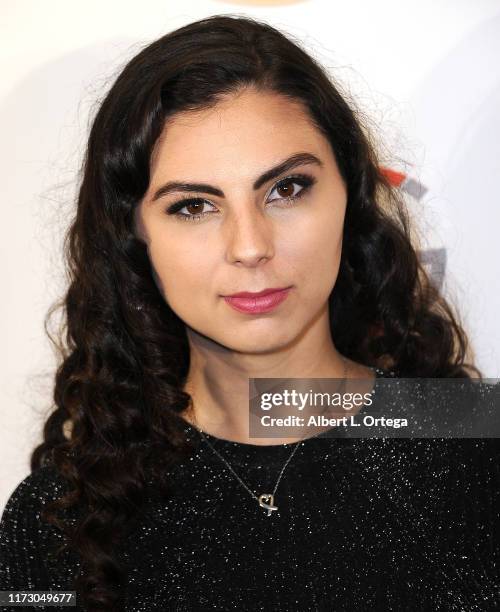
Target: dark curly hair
x,y
124,354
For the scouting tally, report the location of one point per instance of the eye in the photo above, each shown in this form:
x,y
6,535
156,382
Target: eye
x,y
286,186
195,206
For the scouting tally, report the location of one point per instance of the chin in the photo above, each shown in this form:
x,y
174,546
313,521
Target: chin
x,y
259,344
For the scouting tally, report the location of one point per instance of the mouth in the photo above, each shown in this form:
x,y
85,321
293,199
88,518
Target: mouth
x,y
257,302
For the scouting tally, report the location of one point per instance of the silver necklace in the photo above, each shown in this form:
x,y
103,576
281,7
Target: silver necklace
x,y
266,500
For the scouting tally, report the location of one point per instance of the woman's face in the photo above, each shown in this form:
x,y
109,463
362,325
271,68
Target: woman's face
x,y
249,236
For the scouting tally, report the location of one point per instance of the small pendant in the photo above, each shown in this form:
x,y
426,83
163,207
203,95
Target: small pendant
x,y
267,497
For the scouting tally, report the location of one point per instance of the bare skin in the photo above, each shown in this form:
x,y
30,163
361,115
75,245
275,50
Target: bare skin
x,y
247,240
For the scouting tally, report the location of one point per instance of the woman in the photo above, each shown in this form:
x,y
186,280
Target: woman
x,y
223,160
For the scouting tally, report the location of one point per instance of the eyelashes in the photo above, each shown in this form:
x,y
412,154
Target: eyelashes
x,y
304,181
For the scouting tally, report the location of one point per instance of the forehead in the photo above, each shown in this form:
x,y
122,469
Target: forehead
x,y
246,131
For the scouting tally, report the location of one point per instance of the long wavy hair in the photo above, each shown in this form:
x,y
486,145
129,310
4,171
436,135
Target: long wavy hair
x,y
124,354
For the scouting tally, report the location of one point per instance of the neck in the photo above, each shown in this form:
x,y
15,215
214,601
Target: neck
x,y
218,379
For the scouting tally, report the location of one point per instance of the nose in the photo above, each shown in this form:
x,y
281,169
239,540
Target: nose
x,y
249,237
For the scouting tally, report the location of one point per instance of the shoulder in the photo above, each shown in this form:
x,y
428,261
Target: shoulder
x,y
40,486
26,540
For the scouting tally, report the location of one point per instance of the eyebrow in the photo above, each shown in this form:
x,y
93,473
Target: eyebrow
x,y
297,159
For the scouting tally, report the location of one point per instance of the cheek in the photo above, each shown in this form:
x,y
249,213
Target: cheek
x,y
180,270
315,252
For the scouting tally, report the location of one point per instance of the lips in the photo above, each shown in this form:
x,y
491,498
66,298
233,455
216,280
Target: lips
x,y
254,294
258,302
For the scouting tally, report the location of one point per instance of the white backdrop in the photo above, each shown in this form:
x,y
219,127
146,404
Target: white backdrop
x,y
426,72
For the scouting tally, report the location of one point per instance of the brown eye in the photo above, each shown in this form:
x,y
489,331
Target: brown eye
x,y
285,190
194,207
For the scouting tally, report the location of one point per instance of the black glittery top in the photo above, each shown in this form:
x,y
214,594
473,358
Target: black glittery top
x,y
362,524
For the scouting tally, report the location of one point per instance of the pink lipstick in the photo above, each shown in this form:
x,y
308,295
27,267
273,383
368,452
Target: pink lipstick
x,y
258,302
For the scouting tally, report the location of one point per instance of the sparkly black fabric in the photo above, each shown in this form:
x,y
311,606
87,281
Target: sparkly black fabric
x,y
362,524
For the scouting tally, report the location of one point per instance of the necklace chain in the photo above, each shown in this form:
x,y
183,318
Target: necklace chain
x,y
266,500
